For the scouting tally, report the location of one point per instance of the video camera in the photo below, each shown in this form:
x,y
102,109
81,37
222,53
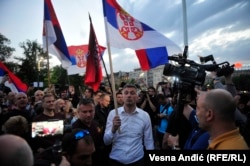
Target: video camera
x,y
190,73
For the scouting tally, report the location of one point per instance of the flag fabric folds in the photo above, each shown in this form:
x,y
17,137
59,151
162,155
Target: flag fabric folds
x,y
78,56
53,37
13,82
93,76
152,57
124,31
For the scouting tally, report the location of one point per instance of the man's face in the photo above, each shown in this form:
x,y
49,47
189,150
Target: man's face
x,y
21,100
97,97
201,111
11,96
63,94
130,96
39,95
49,103
87,93
105,101
83,154
119,99
86,113
151,92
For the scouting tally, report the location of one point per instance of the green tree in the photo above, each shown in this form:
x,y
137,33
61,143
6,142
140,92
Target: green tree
x,y
60,78
28,68
5,50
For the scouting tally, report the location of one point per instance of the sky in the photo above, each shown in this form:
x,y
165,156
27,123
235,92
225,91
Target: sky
x,y
217,27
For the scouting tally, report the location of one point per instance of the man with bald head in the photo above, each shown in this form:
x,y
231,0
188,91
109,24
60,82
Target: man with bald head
x,y
15,151
215,112
21,102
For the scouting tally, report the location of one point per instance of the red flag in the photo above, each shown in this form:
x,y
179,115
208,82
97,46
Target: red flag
x,y
93,75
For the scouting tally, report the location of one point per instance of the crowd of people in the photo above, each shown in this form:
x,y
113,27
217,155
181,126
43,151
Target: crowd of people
x,y
95,132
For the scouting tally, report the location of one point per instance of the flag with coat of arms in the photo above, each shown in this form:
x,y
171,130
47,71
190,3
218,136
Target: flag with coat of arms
x,y
124,31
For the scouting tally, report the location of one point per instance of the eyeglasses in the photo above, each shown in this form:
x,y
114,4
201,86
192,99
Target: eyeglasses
x,y
81,134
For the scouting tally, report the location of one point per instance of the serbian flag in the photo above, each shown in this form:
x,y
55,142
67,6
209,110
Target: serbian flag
x,y
124,31
12,81
53,36
78,59
152,57
78,56
93,76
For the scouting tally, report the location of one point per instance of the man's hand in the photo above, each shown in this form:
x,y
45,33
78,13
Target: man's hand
x,y
116,123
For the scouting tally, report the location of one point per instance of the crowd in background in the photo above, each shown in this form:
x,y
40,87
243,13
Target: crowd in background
x,y
168,121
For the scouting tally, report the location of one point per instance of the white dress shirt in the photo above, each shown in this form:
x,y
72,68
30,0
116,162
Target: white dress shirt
x,y
135,131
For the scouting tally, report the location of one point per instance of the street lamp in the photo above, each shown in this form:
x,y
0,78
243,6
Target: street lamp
x,y
39,69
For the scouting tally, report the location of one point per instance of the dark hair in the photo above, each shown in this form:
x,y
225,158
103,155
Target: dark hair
x,y
86,101
151,87
129,86
90,91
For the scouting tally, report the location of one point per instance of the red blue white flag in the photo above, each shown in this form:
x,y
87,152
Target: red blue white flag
x,y
12,81
124,31
78,56
53,37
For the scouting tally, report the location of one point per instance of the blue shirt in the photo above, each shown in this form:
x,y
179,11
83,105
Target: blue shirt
x,y
167,110
198,138
135,131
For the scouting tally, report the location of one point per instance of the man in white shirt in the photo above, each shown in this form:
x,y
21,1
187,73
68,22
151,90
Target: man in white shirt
x,y
129,131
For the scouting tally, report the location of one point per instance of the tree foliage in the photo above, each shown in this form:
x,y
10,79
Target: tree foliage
x,y
28,70
60,78
5,50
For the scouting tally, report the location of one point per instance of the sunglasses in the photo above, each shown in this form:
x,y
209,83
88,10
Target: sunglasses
x,y
81,134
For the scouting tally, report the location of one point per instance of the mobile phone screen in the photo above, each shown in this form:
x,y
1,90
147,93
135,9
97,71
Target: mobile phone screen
x,y
47,128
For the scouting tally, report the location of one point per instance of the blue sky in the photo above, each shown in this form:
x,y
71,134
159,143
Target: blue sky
x,y
221,28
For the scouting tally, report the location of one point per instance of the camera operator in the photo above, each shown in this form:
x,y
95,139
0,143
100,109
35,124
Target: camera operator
x,y
149,104
180,125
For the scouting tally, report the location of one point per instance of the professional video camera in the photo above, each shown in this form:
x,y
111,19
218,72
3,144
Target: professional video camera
x,y
190,73
225,69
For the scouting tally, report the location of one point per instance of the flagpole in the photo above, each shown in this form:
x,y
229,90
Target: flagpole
x,y
107,74
47,53
111,71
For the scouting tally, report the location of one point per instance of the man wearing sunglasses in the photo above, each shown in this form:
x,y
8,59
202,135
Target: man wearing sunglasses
x,y
78,147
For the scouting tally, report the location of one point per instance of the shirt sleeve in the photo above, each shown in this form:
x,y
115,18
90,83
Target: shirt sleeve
x,y
108,135
148,135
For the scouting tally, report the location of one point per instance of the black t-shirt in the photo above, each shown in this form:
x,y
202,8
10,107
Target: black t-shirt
x,y
94,130
153,115
43,117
